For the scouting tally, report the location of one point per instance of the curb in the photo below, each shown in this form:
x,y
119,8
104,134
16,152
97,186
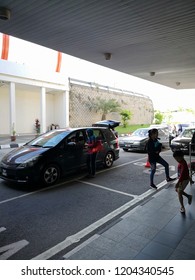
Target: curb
x,y
13,145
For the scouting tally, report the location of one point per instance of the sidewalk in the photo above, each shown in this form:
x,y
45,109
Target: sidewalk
x,y
155,230
5,141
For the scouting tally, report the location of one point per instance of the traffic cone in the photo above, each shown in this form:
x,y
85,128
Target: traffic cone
x,y
147,164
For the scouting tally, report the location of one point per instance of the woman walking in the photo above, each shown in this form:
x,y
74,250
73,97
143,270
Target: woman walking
x,y
154,149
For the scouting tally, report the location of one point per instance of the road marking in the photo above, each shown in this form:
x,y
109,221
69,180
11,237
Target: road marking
x,y
82,245
2,229
123,164
68,241
11,249
141,163
34,192
108,189
160,170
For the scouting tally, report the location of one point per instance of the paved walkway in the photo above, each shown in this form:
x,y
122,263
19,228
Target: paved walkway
x,y
154,229
151,231
5,141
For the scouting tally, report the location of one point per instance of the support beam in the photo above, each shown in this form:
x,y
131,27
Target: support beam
x,y
66,109
12,94
43,110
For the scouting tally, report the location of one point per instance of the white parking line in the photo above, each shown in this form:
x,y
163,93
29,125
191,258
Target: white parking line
x,y
31,193
123,164
105,188
2,229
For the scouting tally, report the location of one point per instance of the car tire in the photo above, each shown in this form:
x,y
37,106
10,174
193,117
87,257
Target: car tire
x,y
108,160
125,150
51,174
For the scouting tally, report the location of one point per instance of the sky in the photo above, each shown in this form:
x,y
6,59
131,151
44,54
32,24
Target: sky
x,y
44,59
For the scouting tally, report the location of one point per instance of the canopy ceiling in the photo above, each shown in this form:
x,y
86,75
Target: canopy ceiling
x,y
150,39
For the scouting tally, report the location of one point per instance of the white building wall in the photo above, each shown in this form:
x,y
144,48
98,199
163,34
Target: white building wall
x,y
27,110
59,110
50,116
28,88
4,110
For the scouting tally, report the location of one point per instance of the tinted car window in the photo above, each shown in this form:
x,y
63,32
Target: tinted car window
x,y
81,138
97,133
72,138
188,133
161,133
109,135
141,132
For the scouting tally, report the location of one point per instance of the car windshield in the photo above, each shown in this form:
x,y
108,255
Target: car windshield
x,y
188,133
49,139
140,132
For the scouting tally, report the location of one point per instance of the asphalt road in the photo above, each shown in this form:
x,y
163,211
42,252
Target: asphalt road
x,y
46,223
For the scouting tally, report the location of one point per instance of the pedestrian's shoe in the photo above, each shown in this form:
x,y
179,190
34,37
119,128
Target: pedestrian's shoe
x,y
189,199
153,186
182,210
171,179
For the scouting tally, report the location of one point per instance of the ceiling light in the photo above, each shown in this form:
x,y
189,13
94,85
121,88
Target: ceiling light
x,y
107,56
5,13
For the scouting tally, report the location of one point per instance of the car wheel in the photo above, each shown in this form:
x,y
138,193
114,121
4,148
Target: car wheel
x,y
108,160
125,150
51,174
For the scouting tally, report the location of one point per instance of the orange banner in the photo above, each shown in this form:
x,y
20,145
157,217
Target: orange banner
x,y
5,47
58,67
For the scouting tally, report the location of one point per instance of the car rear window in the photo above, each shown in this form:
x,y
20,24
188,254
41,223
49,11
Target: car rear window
x,y
109,135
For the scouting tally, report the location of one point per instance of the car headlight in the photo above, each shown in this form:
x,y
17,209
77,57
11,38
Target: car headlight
x,y
175,143
29,162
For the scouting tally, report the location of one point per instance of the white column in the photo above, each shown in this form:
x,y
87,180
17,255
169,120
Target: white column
x,y
65,116
43,110
12,94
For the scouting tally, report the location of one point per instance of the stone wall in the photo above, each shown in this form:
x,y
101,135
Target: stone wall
x,y
83,94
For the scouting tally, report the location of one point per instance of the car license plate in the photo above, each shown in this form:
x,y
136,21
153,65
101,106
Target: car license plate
x,y
4,172
127,145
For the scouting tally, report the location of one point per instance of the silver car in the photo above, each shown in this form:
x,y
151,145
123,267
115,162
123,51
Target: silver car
x,y
138,140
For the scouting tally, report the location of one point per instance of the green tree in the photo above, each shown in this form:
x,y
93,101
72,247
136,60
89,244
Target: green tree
x,y
105,106
158,117
125,115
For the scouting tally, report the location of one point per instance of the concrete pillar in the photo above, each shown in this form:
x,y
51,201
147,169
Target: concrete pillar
x,y
43,110
12,94
65,115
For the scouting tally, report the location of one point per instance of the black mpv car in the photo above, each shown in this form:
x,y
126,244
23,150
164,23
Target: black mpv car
x,y
50,156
